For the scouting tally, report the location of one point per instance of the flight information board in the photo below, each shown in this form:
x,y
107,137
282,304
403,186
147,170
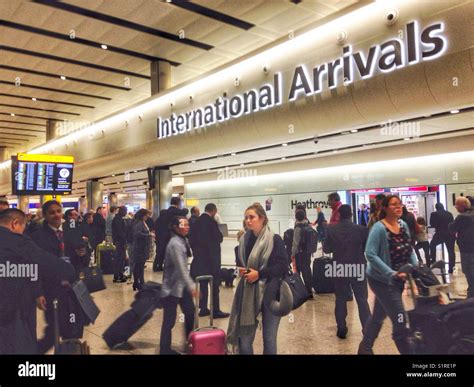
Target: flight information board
x,y
42,174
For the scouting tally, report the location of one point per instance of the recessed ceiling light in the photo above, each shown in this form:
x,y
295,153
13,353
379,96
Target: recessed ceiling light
x,y
63,77
113,175
233,154
194,161
354,130
208,169
103,46
283,158
285,144
135,171
454,111
335,151
12,114
344,133
407,139
34,99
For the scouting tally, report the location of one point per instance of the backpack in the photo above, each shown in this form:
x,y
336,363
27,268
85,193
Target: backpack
x,y
309,239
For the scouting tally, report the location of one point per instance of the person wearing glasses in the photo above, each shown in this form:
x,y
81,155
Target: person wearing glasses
x,y
388,248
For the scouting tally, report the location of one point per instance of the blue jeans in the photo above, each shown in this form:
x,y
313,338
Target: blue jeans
x,y
388,301
270,324
467,265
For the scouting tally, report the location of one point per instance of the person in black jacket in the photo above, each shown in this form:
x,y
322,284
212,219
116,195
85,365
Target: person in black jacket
x,y
72,231
20,294
98,228
262,257
192,224
50,237
141,246
207,240
346,241
463,228
410,220
440,220
163,230
119,237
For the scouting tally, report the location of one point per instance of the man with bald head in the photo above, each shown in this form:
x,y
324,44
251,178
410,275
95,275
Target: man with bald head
x,y
463,226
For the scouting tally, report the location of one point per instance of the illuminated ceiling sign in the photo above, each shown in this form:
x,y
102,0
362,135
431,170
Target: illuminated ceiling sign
x,y
409,47
45,158
422,188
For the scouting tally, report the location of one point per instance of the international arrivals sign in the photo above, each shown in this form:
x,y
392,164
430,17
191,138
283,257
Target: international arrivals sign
x,y
410,47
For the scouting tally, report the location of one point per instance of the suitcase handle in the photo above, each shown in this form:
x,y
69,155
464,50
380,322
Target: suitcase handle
x,y
56,326
199,279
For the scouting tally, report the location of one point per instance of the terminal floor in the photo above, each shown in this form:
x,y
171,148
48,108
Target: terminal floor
x,y
309,330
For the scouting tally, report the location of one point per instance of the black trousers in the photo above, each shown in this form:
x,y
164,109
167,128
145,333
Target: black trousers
x,y
120,256
170,305
138,274
449,240
342,287
426,248
204,293
303,265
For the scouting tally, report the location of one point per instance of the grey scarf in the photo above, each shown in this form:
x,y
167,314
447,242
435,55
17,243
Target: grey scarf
x,y
247,305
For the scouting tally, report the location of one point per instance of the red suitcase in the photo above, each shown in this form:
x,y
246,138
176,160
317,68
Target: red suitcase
x,y
208,340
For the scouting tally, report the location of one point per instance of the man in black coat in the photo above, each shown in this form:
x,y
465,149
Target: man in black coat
x,y
119,236
440,220
72,232
347,241
20,294
192,224
50,237
98,228
163,231
207,240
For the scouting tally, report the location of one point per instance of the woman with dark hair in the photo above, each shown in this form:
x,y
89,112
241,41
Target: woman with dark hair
x,y
141,246
262,256
178,287
387,250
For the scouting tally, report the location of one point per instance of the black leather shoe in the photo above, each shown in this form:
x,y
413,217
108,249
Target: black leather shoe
x,y
220,314
204,313
363,350
341,333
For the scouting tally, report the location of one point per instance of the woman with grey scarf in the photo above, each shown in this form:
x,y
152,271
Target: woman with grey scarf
x,y
262,256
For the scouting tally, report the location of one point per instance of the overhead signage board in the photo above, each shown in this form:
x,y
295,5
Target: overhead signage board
x,y
393,54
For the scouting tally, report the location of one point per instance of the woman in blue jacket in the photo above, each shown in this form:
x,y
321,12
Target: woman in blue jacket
x,y
387,250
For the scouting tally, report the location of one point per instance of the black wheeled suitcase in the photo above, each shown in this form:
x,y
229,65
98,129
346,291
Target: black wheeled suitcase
x,y
321,283
128,323
68,346
105,255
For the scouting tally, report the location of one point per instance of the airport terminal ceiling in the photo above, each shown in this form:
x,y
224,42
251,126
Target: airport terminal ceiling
x,y
311,80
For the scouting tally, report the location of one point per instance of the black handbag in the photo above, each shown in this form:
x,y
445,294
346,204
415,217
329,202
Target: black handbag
x,y
93,278
299,291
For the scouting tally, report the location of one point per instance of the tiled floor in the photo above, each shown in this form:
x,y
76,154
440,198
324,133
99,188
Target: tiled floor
x,y
309,330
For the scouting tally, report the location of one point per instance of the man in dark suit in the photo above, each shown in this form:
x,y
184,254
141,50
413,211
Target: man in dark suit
x,y
163,231
72,232
50,237
346,241
119,236
20,294
192,225
98,228
440,220
207,240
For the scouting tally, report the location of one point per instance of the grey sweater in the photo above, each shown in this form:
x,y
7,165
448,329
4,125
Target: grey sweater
x,y
176,274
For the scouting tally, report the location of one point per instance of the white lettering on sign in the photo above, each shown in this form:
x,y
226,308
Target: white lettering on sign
x,y
405,49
